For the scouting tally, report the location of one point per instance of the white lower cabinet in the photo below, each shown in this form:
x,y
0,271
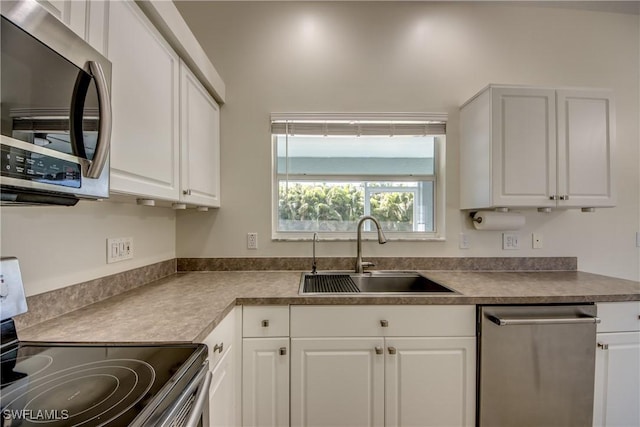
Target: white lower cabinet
x,y
617,380
430,381
265,366
265,382
337,382
395,377
224,391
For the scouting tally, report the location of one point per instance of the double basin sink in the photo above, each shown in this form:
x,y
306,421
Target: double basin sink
x,y
374,282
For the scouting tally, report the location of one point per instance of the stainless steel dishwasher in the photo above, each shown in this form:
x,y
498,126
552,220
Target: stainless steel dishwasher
x,y
536,365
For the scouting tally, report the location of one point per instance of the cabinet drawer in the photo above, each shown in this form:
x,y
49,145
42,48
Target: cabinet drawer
x,y
363,321
619,316
221,339
265,321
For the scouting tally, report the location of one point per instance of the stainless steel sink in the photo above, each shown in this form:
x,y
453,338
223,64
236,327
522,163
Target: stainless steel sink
x,y
374,282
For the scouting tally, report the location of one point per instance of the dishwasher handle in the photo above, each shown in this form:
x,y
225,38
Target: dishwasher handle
x,y
507,321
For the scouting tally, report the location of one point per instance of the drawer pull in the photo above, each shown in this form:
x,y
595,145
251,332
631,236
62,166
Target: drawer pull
x,y
384,323
603,346
392,350
283,351
265,323
378,350
218,347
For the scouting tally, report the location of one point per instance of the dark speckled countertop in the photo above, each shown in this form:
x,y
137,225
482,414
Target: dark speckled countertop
x,y
188,306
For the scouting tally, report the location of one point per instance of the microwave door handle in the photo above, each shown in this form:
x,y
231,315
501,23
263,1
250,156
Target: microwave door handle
x,y
80,90
104,133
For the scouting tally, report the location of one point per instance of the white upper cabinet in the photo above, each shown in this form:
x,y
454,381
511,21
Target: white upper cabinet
x,y
71,13
86,18
200,143
586,132
536,147
145,99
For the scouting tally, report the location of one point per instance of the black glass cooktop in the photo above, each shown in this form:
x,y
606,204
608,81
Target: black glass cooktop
x,y
48,384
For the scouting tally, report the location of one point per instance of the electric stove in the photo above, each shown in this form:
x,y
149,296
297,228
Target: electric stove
x,y
105,384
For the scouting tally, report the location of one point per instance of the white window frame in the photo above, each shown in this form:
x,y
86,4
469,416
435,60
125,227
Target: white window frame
x,y
439,189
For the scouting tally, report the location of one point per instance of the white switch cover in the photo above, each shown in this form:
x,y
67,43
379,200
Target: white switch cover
x,y
536,241
638,239
119,249
510,241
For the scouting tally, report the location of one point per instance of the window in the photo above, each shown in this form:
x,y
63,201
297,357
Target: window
x,y
330,170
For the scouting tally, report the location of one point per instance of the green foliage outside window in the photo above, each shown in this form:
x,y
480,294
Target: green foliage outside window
x,y
338,207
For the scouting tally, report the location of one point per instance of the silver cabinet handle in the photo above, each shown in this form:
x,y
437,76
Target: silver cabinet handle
x,y
506,321
104,133
603,346
186,192
282,351
384,323
392,350
554,197
265,323
378,350
218,347
565,197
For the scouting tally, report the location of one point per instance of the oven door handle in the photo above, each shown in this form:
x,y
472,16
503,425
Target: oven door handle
x,y
200,382
201,399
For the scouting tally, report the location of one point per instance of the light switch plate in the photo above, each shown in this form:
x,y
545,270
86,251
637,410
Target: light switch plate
x,y
119,249
510,241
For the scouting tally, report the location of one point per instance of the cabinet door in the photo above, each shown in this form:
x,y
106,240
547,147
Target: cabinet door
x,y
430,382
200,142
265,382
585,137
71,13
145,90
617,383
523,147
337,382
222,394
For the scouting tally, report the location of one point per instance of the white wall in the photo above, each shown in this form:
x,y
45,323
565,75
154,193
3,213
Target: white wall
x,y
410,56
62,246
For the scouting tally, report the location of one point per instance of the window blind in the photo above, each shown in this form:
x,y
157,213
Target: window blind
x,y
359,124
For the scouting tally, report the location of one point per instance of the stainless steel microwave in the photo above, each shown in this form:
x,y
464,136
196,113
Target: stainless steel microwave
x,y
55,111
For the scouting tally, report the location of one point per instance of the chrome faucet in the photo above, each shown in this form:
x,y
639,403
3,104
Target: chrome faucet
x,y
381,239
314,267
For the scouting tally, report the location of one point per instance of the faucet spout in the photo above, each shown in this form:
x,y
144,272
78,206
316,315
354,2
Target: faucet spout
x,y
381,240
314,266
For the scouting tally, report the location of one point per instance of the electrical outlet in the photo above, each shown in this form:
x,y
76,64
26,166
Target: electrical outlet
x,y
119,249
536,241
463,241
638,239
252,240
510,241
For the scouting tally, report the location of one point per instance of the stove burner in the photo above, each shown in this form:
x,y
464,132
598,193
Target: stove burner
x,y
95,392
16,368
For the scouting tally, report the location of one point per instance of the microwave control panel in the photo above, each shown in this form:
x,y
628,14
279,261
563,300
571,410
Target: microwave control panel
x,y
31,166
